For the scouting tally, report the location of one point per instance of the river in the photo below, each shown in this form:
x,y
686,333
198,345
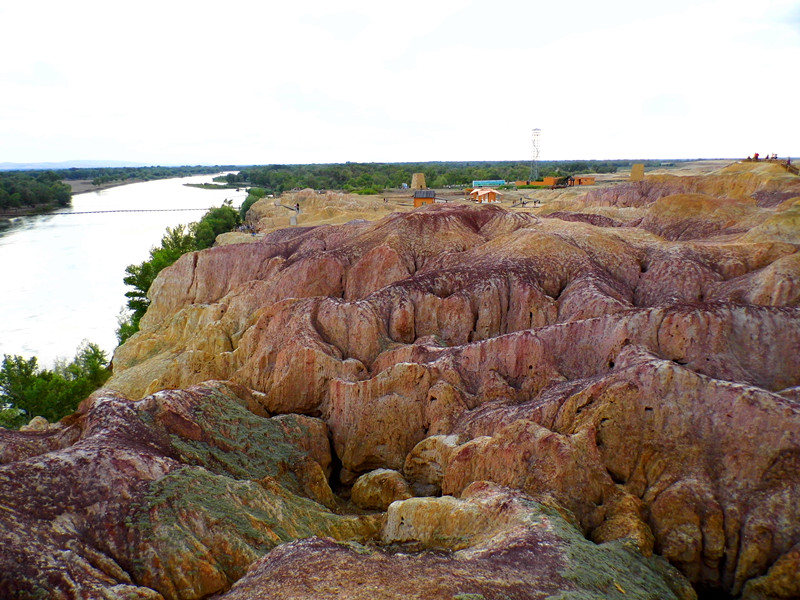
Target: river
x,y
61,274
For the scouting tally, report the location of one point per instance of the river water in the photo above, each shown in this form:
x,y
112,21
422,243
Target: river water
x,y
61,274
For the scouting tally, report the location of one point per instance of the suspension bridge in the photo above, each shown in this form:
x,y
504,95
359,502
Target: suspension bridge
x,y
119,210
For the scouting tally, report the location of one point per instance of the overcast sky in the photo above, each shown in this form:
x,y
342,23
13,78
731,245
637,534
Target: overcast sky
x,y
178,82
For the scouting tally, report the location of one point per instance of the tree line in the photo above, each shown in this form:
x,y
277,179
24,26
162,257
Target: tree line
x,y
46,190
372,178
33,189
100,176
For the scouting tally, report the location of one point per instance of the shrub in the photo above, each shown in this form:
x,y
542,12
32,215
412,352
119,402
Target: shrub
x,y
254,195
26,391
368,192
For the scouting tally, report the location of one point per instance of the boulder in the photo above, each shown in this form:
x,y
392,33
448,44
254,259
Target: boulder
x,y
377,489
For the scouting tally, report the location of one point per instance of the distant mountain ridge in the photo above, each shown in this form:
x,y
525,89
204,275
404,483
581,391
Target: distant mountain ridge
x,y
69,164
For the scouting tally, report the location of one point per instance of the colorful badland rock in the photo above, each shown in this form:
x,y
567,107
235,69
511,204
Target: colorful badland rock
x,y
632,358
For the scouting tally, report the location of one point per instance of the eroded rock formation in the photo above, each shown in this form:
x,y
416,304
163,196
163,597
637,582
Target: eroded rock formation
x,y
630,358
172,496
468,548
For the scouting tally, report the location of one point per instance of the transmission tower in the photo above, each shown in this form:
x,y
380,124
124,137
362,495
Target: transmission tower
x,y
537,135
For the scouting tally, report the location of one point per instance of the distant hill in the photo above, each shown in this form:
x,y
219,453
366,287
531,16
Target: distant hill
x,y
69,164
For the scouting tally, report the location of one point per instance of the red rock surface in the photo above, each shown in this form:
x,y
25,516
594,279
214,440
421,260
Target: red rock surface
x,y
633,359
172,496
492,543
377,489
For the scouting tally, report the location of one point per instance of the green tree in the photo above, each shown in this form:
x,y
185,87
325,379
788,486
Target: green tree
x,y
27,391
214,222
62,193
254,195
204,234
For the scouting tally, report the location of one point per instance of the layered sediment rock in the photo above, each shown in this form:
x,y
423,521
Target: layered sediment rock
x,y
173,496
632,359
490,543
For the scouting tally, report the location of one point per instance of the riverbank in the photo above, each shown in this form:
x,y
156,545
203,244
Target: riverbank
x,y
82,186
77,186
218,186
13,213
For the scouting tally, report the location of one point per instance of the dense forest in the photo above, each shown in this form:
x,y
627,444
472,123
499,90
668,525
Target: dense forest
x,y
374,177
33,189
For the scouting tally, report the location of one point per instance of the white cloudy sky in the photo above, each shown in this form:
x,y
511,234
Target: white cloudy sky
x,y
176,82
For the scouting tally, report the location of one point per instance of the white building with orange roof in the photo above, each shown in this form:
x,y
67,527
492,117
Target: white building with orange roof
x,y
485,195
